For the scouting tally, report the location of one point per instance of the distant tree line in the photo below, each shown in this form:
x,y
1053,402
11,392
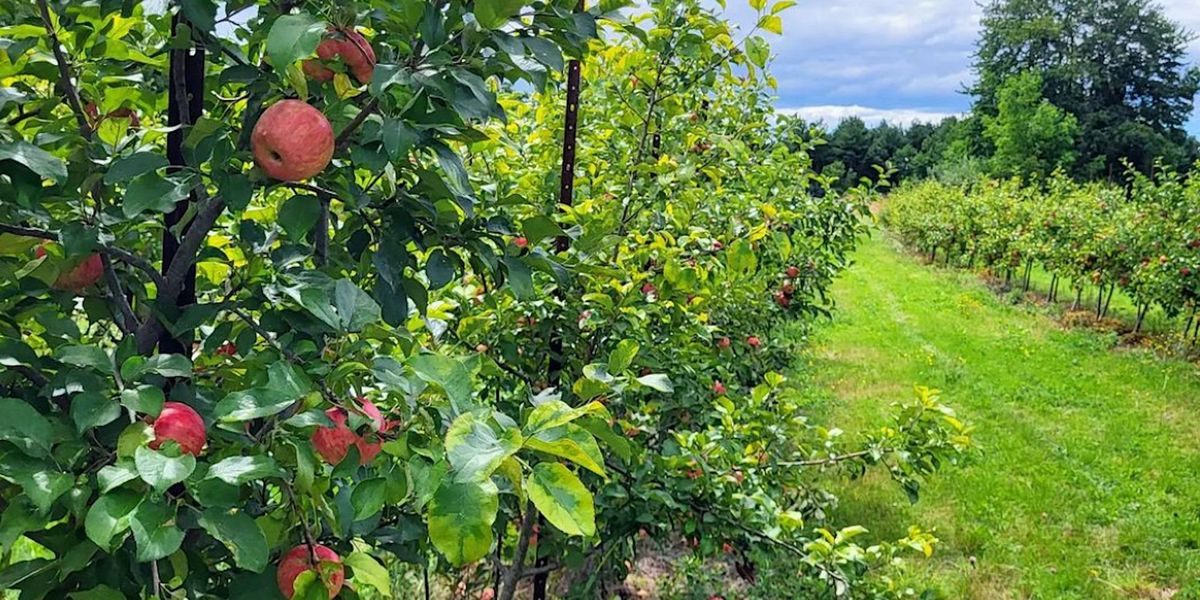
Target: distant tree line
x,y
1088,87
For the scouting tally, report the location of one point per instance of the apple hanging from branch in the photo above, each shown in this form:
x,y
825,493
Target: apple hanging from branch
x,y
328,568
292,141
181,423
345,45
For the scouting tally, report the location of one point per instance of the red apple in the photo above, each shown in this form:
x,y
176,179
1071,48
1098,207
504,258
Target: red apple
x,y
793,272
488,594
348,46
724,343
297,561
649,288
332,443
179,422
292,141
521,243
754,342
84,274
719,388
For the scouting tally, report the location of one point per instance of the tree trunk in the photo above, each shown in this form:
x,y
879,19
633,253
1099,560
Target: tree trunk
x,y
1108,301
186,90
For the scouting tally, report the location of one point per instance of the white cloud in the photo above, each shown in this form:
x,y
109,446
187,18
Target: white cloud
x,y
832,115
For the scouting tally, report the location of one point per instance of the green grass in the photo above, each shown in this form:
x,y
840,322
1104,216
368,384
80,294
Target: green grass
x,y
1087,484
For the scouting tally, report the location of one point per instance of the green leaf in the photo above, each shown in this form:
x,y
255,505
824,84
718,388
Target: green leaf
x,y
340,304
153,192
439,269
399,137
91,357
133,437
35,159
657,381
602,431
561,498
622,356
102,592
241,534
134,165
758,51
555,413
147,399
460,519
160,470
108,518
167,365
237,470
154,530
308,586
520,277
572,443
15,574
285,385
293,37
93,409
539,228
368,571
42,483
368,497
113,476
23,426
201,13
494,13
298,215
781,6
474,449
772,23
758,5
446,373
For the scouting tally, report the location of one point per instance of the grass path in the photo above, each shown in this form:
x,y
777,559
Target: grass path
x,y
1088,484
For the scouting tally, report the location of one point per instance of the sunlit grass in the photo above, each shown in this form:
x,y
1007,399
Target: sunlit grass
x,y
1087,485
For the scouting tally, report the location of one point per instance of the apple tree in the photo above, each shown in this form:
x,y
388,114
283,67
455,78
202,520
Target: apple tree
x,y
303,297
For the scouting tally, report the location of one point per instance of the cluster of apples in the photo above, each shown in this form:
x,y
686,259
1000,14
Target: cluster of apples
x,y
180,423
333,443
784,296
294,141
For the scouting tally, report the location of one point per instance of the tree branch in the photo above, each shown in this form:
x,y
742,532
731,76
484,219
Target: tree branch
x,y
513,574
357,122
129,322
185,256
64,71
119,254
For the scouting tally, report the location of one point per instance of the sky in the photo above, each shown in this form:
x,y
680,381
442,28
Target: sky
x,y
900,60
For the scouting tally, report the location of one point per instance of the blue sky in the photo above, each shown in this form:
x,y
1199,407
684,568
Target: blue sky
x,y
900,60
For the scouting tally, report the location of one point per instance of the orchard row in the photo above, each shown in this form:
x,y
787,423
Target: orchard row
x,y
315,302
1142,238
